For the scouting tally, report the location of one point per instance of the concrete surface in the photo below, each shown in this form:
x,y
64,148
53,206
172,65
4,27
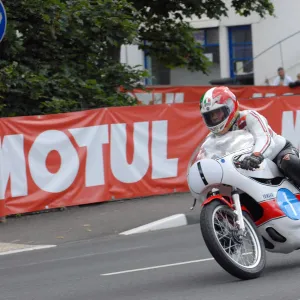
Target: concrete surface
x,y
162,265
93,221
173,221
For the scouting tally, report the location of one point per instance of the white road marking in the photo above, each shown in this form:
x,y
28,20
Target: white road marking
x,y
28,248
173,221
158,267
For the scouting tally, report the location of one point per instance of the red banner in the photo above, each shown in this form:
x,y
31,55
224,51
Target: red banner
x,y
104,154
182,94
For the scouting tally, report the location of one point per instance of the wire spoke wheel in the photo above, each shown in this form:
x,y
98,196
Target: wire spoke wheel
x,y
241,256
244,250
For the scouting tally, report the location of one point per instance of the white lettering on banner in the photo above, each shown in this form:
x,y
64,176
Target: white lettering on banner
x,y
157,98
260,95
13,163
93,138
174,97
145,98
267,95
134,172
162,167
257,95
13,166
53,140
290,131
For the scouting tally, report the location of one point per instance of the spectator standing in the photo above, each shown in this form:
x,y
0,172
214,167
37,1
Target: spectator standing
x,y
282,79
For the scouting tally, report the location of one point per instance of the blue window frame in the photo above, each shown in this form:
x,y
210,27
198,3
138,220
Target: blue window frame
x,y
240,49
147,65
159,74
209,39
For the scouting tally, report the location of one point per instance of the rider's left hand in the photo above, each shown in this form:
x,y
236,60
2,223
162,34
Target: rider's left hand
x,y
252,162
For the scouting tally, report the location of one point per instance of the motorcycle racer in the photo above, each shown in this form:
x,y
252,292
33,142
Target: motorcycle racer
x,y
221,113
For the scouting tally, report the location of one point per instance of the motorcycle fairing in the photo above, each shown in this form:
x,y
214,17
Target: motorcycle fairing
x,y
288,203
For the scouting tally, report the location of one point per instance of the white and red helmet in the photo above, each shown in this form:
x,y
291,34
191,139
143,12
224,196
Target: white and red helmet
x,y
220,102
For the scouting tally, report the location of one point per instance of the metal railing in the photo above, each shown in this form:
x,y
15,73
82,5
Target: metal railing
x,y
267,50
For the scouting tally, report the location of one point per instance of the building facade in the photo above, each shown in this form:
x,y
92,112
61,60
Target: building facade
x,y
237,46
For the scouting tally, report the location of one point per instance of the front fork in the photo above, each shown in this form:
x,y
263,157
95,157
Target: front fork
x,y
238,211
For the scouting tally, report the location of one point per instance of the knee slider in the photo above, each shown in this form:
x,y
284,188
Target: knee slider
x,y
290,161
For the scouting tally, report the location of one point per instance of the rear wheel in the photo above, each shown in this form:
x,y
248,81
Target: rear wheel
x,y
245,257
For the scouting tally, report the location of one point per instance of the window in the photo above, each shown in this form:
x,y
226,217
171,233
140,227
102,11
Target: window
x,y
240,50
209,39
212,36
199,36
159,74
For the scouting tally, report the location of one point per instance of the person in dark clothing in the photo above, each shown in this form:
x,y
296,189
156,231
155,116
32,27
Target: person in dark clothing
x,y
295,83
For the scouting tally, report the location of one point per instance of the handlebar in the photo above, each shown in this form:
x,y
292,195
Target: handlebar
x,y
238,163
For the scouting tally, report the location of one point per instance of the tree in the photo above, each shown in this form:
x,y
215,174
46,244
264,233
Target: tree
x,y
58,55
170,37
64,55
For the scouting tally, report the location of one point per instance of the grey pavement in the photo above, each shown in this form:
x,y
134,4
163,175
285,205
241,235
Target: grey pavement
x,y
73,271
92,221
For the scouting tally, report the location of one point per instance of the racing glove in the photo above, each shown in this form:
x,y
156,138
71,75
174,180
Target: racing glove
x,y
252,162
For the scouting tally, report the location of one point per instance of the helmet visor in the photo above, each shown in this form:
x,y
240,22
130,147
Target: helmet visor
x,y
215,117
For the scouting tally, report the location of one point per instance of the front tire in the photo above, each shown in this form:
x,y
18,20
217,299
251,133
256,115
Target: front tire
x,y
225,246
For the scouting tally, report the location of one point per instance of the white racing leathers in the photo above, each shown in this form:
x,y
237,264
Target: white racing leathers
x,y
267,142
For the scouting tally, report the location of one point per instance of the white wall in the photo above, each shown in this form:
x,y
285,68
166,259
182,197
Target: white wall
x,y
224,52
232,20
185,77
265,33
270,31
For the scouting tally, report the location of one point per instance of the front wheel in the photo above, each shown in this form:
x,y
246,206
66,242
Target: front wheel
x,y
243,258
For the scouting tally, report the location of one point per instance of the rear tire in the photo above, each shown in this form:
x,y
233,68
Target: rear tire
x,y
209,233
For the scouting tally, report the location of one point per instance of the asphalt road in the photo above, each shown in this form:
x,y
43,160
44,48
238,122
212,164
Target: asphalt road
x,y
75,271
93,221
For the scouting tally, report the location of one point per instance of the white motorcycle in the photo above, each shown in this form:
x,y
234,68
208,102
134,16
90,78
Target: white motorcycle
x,y
244,213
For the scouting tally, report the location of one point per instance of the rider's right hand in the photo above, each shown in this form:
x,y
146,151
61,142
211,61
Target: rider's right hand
x,y
252,162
